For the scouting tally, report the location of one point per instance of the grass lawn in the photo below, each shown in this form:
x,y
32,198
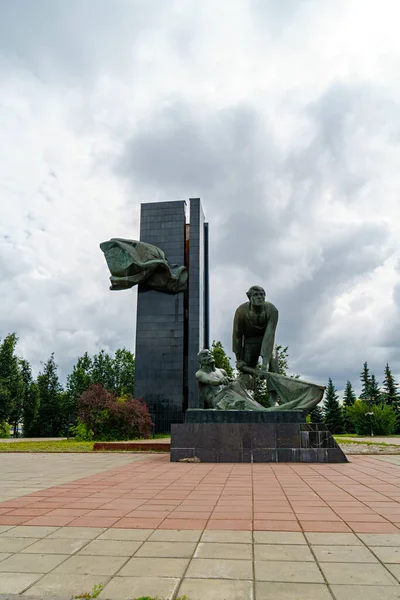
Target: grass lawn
x,y
52,446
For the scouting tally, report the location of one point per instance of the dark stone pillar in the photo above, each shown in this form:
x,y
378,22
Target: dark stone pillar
x,y
159,375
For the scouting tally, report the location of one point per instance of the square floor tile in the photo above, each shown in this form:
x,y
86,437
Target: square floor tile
x,y
351,554
111,548
380,539
217,589
77,533
31,563
221,550
16,583
87,565
154,567
279,537
368,574
236,537
126,588
16,544
126,534
333,539
54,546
167,549
387,554
292,591
65,588
23,531
282,552
174,535
366,592
220,569
285,571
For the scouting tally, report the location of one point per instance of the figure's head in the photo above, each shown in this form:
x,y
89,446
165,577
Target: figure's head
x,y
256,295
206,359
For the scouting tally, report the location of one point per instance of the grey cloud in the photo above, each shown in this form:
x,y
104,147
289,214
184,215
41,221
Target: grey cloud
x,y
62,41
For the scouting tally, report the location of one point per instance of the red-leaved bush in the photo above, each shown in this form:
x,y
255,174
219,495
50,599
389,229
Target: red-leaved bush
x,y
113,418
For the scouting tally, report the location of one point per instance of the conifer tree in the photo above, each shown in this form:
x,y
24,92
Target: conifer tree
x,y
316,414
333,416
390,388
375,395
11,384
349,396
51,415
365,381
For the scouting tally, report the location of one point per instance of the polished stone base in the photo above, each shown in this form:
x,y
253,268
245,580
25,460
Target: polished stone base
x,y
254,442
197,415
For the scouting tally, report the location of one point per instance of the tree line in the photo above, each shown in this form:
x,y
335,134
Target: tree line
x,y
46,408
43,406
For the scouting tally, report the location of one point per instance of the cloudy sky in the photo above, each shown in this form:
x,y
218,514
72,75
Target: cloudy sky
x,y
282,115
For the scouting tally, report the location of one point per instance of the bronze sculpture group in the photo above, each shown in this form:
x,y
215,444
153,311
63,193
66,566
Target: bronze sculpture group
x,y
253,337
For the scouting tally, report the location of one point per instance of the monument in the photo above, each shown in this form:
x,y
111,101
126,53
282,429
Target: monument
x,y
232,426
211,416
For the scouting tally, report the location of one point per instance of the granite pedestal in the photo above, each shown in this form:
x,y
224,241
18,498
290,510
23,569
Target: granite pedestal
x,y
252,436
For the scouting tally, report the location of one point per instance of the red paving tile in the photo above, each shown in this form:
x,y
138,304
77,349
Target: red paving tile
x,y
362,496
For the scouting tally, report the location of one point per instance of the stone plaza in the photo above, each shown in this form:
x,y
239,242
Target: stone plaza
x,y
142,526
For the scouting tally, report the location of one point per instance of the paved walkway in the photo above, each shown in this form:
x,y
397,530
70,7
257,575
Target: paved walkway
x,y
142,526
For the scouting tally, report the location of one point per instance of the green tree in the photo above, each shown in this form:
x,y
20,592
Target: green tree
x,y
102,371
77,382
375,395
316,414
333,417
11,383
50,422
365,382
220,358
31,400
282,354
390,388
124,372
349,398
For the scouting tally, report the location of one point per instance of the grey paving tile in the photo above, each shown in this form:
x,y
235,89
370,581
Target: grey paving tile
x,y
31,563
279,537
167,549
173,535
285,571
154,567
351,554
220,569
16,583
394,569
4,555
65,588
216,589
116,533
292,591
4,528
126,588
282,552
111,548
333,539
220,550
77,533
26,531
380,539
236,537
54,546
361,574
366,592
16,544
387,554
86,565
